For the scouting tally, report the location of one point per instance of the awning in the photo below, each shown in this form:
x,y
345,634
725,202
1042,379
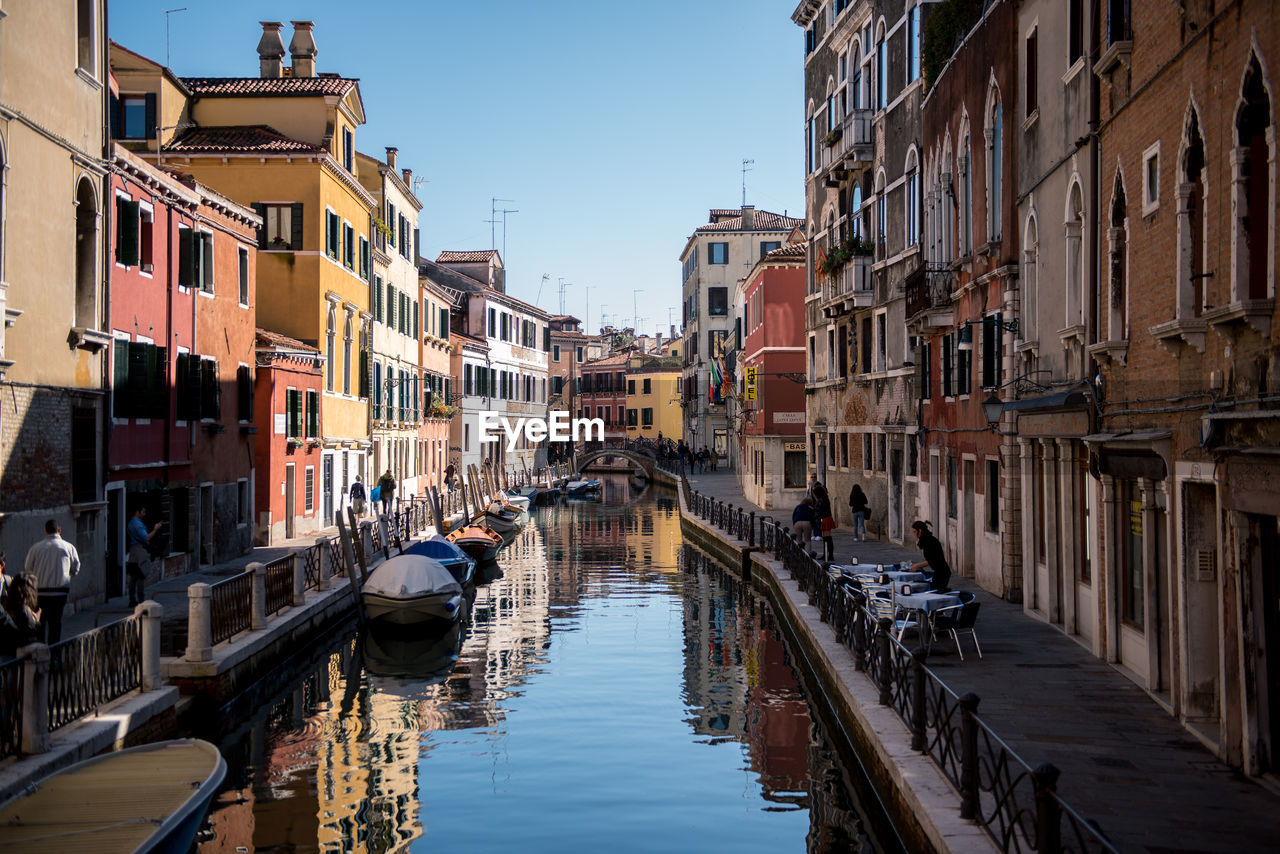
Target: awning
x,y
1058,400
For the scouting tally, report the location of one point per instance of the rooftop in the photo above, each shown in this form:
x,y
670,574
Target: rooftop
x,y
454,257
267,338
243,138
764,221
257,87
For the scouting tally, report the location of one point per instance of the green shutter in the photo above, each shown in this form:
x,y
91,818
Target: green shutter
x,y
120,380
186,257
158,382
261,210
127,232
295,225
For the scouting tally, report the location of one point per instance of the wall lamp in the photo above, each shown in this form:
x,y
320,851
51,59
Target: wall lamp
x,y
966,329
993,406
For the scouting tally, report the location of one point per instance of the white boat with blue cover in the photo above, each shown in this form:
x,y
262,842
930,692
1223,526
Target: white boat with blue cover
x,y
461,565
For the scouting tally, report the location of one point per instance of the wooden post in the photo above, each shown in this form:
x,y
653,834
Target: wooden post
x,y
352,566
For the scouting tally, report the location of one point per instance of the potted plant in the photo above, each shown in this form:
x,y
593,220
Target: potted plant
x,y
832,137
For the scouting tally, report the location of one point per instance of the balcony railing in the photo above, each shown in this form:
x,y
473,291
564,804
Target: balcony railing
x,y
928,286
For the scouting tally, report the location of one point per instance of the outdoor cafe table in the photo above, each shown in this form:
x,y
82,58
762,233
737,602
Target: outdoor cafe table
x,y
922,605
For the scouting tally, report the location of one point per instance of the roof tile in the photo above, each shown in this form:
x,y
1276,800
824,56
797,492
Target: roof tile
x,y
764,221
448,257
252,87
239,138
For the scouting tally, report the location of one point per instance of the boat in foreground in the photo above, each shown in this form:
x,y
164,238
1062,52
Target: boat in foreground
x,y
150,798
479,541
411,588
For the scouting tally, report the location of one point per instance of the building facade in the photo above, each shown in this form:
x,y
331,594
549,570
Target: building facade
x,y
55,221
604,393
770,429
714,257
653,398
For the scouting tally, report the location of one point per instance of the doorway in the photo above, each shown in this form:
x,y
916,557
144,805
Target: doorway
x,y
116,519
1264,558
326,484
967,522
290,502
1203,638
895,495
206,523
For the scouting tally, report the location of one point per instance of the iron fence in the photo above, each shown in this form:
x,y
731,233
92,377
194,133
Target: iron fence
x,y
311,567
11,707
279,581
230,608
1018,806
92,669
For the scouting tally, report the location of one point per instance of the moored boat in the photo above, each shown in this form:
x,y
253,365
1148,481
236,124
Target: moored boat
x,y
478,540
501,520
460,564
411,588
150,798
578,488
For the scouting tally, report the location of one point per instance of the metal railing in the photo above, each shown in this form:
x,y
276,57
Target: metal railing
x,y
1016,804
230,606
92,669
279,583
11,689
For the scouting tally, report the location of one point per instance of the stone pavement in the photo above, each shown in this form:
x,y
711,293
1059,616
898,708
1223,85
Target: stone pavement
x,y
1125,762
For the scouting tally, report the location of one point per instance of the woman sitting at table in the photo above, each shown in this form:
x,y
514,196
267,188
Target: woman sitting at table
x,y
933,557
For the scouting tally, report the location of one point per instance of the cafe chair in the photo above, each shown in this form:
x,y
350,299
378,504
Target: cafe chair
x,y
966,596
957,620
882,607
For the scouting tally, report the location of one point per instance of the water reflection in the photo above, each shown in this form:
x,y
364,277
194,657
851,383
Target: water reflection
x,y
612,687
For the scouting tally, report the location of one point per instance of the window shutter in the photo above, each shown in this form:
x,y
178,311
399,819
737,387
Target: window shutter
x,y
313,414
417,237
115,117
444,324
261,210
209,389
120,380
206,260
157,382
364,373
243,395
137,386
295,225
127,233
186,257
416,331
189,392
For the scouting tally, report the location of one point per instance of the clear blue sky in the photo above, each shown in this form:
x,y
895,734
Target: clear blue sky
x,y
613,127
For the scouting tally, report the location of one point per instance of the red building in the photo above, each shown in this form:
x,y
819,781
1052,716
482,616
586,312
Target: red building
x,y
181,257
287,445
771,370
604,394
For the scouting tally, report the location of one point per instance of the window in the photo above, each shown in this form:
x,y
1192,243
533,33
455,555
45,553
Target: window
x,y
953,489
195,259
377,388
332,234
767,246
882,71
348,150
844,450
882,342
1032,82
647,387
579,354
128,232
1151,179
926,372
991,350
140,388
716,339
348,247
282,227
913,44
1118,22
1075,32
309,489
244,393
966,200
717,253
555,352
867,461
330,340
1253,218
631,386
717,302
964,371
346,356
86,36
244,276
646,417
948,365
993,496
793,470
912,202
995,173
137,119
365,258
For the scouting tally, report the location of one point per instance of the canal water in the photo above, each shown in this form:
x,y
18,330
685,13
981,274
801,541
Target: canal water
x,y
612,690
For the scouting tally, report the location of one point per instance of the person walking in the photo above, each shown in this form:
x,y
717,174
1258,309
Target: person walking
x,y
449,472
826,521
858,506
138,557
931,546
386,490
358,497
54,562
802,521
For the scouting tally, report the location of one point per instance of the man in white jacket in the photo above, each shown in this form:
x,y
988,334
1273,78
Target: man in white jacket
x,y
54,562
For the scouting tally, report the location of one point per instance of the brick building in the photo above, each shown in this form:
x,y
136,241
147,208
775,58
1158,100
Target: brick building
x,y
604,393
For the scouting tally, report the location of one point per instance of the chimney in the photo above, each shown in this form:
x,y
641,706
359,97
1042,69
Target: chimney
x,y
407,175
391,156
672,332
748,217
270,50
303,49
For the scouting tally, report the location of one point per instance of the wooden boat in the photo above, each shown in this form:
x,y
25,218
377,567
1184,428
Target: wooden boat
x,y
479,541
460,564
501,520
150,798
579,488
410,589
514,501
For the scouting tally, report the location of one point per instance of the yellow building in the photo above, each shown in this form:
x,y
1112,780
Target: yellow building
x,y
653,398
284,142
53,227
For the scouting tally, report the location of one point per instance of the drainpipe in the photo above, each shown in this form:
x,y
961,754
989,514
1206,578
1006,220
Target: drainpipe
x,y
1092,309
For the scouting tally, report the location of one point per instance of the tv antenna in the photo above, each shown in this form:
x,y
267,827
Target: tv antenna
x,y
563,287
545,277
418,182
587,319
167,13
746,167
635,309
493,218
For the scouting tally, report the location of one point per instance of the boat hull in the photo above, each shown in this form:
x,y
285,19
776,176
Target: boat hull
x,y
446,607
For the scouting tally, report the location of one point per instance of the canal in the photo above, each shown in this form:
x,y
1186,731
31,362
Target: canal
x,y
612,688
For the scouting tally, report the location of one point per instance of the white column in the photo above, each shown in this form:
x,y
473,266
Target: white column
x,y
1071,502
1029,531
299,577
199,622
35,694
258,597
148,614
325,562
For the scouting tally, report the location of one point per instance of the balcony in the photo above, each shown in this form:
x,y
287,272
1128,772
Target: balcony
x,y
928,289
854,149
848,287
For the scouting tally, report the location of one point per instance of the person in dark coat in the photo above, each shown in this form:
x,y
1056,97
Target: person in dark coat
x,y
931,546
20,615
824,520
858,506
802,521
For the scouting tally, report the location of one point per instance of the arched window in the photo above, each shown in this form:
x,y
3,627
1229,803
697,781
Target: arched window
x,y
1118,264
995,167
965,169
86,255
329,349
947,205
1074,227
911,205
882,69
346,356
811,141
1192,195
855,212
882,208
913,44
1029,279
856,101
1251,170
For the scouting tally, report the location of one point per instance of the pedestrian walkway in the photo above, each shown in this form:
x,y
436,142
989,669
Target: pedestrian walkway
x,y
1125,762
171,593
